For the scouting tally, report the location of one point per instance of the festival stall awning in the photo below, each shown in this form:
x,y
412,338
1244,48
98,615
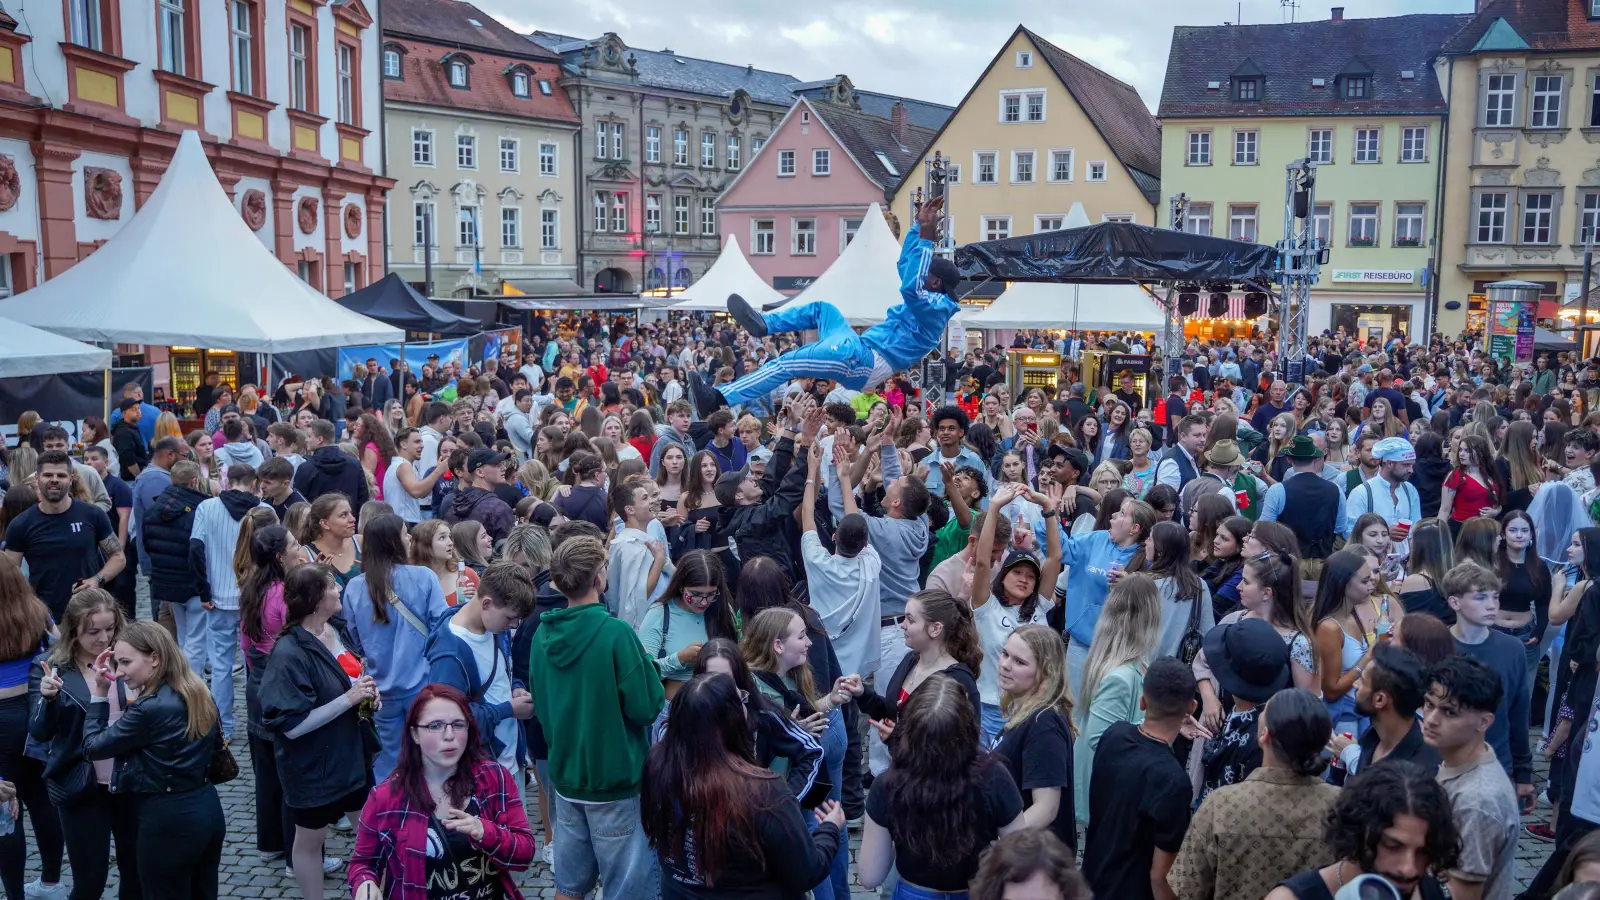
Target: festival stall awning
x,y
393,301
1117,251
28,351
187,271
1084,307
864,282
730,274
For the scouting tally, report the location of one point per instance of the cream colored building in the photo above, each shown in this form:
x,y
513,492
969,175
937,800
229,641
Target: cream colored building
x,y
1040,130
1522,177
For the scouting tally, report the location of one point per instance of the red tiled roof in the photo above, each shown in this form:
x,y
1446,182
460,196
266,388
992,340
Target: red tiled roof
x,y
1544,24
423,81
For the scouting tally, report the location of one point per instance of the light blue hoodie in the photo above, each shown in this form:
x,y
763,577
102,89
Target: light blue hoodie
x,y
1090,556
396,650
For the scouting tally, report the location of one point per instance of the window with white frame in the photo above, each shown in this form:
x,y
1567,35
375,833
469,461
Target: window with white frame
x,y
84,25
1245,145
1319,145
803,237
1061,165
952,173
1199,148
1011,107
544,87
785,163
458,74
680,146
1022,167
1197,220
1042,224
984,164
619,213
1021,106
241,28
509,161
1242,222
763,241
1024,59
1414,144
652,144
1408,224
821,162
1322,223
170,15
349,278
996,227
549,229
303,270
735,145
680,215
1545,110
466,151
1499,99
1589,205
756,143
602,208
847,231
602,140
467,227
1538,217
708,149
547,158
1368,144
618,145
652,213
519,84
421,147
299,66
1363,224
1035,106
1097,171
708,215
510,226
345,59
1125,218
1491,215
422,223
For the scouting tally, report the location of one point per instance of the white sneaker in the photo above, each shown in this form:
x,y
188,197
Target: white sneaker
x,y
37,890
548,855
344,825
330,865
270,855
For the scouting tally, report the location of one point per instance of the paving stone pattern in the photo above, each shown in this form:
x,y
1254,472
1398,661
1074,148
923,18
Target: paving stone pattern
x,y
245,875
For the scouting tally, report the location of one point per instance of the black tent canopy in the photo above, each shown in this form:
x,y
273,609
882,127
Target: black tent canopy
x,y
396,303
1117,252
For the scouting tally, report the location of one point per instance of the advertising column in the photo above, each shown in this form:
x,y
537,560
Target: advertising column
x,y
1512,308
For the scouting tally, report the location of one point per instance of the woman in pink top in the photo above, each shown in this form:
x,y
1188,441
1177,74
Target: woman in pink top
x,y
273,552
377,448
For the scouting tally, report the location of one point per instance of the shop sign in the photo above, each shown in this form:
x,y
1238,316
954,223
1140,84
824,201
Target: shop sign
x,y
792,282
1374,276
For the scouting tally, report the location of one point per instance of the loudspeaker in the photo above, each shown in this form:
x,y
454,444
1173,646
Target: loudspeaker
x,y
1219,306
1255,304
1188,304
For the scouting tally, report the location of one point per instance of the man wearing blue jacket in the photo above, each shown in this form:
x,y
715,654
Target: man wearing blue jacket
x,y
471,652
858,362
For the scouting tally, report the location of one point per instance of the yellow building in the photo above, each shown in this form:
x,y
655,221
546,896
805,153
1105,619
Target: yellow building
x,y
1039,131
1522,180
1358,98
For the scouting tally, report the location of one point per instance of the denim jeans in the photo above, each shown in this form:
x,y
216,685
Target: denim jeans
x,y
904,890
993,723
390,720
604,842
222,648
190,619
834,744
892,646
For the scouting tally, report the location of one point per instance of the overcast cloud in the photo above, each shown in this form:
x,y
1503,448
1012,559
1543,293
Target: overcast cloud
x,y
932,50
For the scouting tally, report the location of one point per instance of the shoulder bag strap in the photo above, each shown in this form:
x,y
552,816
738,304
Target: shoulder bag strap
x,y
409,616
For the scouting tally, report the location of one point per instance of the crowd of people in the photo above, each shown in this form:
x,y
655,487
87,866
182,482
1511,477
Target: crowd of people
x,y
1188,634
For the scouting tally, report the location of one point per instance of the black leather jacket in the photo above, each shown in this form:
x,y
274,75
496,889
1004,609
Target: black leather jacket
x,y
59,724
150,744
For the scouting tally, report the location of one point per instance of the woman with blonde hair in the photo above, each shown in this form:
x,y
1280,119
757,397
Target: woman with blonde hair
x,y
1337,439
1036,742
166,426
394,415
1280,431
1381,421
473,543
162,744
611,429
1107,477
433,547
1125,641
24,465
536,480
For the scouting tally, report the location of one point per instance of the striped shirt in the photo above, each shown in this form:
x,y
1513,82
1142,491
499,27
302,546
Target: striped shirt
x,y
219,532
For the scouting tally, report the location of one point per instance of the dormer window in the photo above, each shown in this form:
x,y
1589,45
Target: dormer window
x,y
1355,87
1246,82
544,87
457,68
391,64
521,82
1247,89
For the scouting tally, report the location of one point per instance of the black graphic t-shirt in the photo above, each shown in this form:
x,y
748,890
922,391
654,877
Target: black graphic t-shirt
x,y
456,869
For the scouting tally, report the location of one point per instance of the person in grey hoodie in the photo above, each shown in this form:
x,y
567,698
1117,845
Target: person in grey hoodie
x,y
519,424
212,542
237,448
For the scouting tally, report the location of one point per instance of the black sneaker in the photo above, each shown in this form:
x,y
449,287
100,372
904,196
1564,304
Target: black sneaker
x,y
706,398
746,316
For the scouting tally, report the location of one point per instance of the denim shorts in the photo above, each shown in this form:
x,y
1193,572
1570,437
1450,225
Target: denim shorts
x,y
603,842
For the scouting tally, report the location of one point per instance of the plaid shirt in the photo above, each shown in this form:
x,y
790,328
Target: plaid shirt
x,y
392,837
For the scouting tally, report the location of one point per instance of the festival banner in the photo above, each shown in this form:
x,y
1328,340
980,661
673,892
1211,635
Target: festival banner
x,y
386,354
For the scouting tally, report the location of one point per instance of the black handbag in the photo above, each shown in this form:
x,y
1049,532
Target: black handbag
x,y
223,768
1193,640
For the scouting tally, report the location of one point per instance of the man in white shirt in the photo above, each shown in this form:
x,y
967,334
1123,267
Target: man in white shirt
x,y
436,418
638,567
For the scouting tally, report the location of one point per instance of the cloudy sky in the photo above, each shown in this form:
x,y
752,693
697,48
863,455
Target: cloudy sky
x,y
931,50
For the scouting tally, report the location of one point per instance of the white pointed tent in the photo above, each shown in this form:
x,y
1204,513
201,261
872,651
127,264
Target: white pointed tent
x,y
1085,307
864,282
187,271
26,351
730,274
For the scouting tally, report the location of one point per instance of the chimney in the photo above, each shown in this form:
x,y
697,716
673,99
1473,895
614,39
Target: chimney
x,y
898,117
1338,14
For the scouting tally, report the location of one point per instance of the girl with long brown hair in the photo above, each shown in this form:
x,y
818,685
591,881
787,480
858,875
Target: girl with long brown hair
x,y
434,548
25,630
376,447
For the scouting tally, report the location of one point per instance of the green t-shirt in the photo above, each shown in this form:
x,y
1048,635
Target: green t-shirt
x,y
947,542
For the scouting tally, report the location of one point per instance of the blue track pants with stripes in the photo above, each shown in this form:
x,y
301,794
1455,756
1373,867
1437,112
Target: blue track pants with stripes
x,y
838,353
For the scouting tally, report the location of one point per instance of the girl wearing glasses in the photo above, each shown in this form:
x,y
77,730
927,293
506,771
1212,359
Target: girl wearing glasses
x,y
312,695
695,607
447,815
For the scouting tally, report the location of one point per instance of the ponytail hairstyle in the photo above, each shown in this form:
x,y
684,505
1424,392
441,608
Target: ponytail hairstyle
x,y
1298,729
244,564
960,634
172,669
267,547
1280,574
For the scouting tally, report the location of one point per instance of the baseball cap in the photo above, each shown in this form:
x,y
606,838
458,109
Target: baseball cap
x,y
127,404
1394,449
760,455
484,457
727,486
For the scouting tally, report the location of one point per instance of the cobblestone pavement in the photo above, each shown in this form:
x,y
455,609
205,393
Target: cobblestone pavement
x,y
245,875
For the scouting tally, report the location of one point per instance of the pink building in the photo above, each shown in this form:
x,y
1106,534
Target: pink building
x,y
837,151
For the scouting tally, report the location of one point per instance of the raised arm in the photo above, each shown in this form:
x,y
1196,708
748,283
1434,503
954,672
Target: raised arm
x,y
808,500
1050,502
958,503
984,551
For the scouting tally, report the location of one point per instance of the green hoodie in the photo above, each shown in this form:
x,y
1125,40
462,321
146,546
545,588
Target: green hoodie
x,y
596,694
